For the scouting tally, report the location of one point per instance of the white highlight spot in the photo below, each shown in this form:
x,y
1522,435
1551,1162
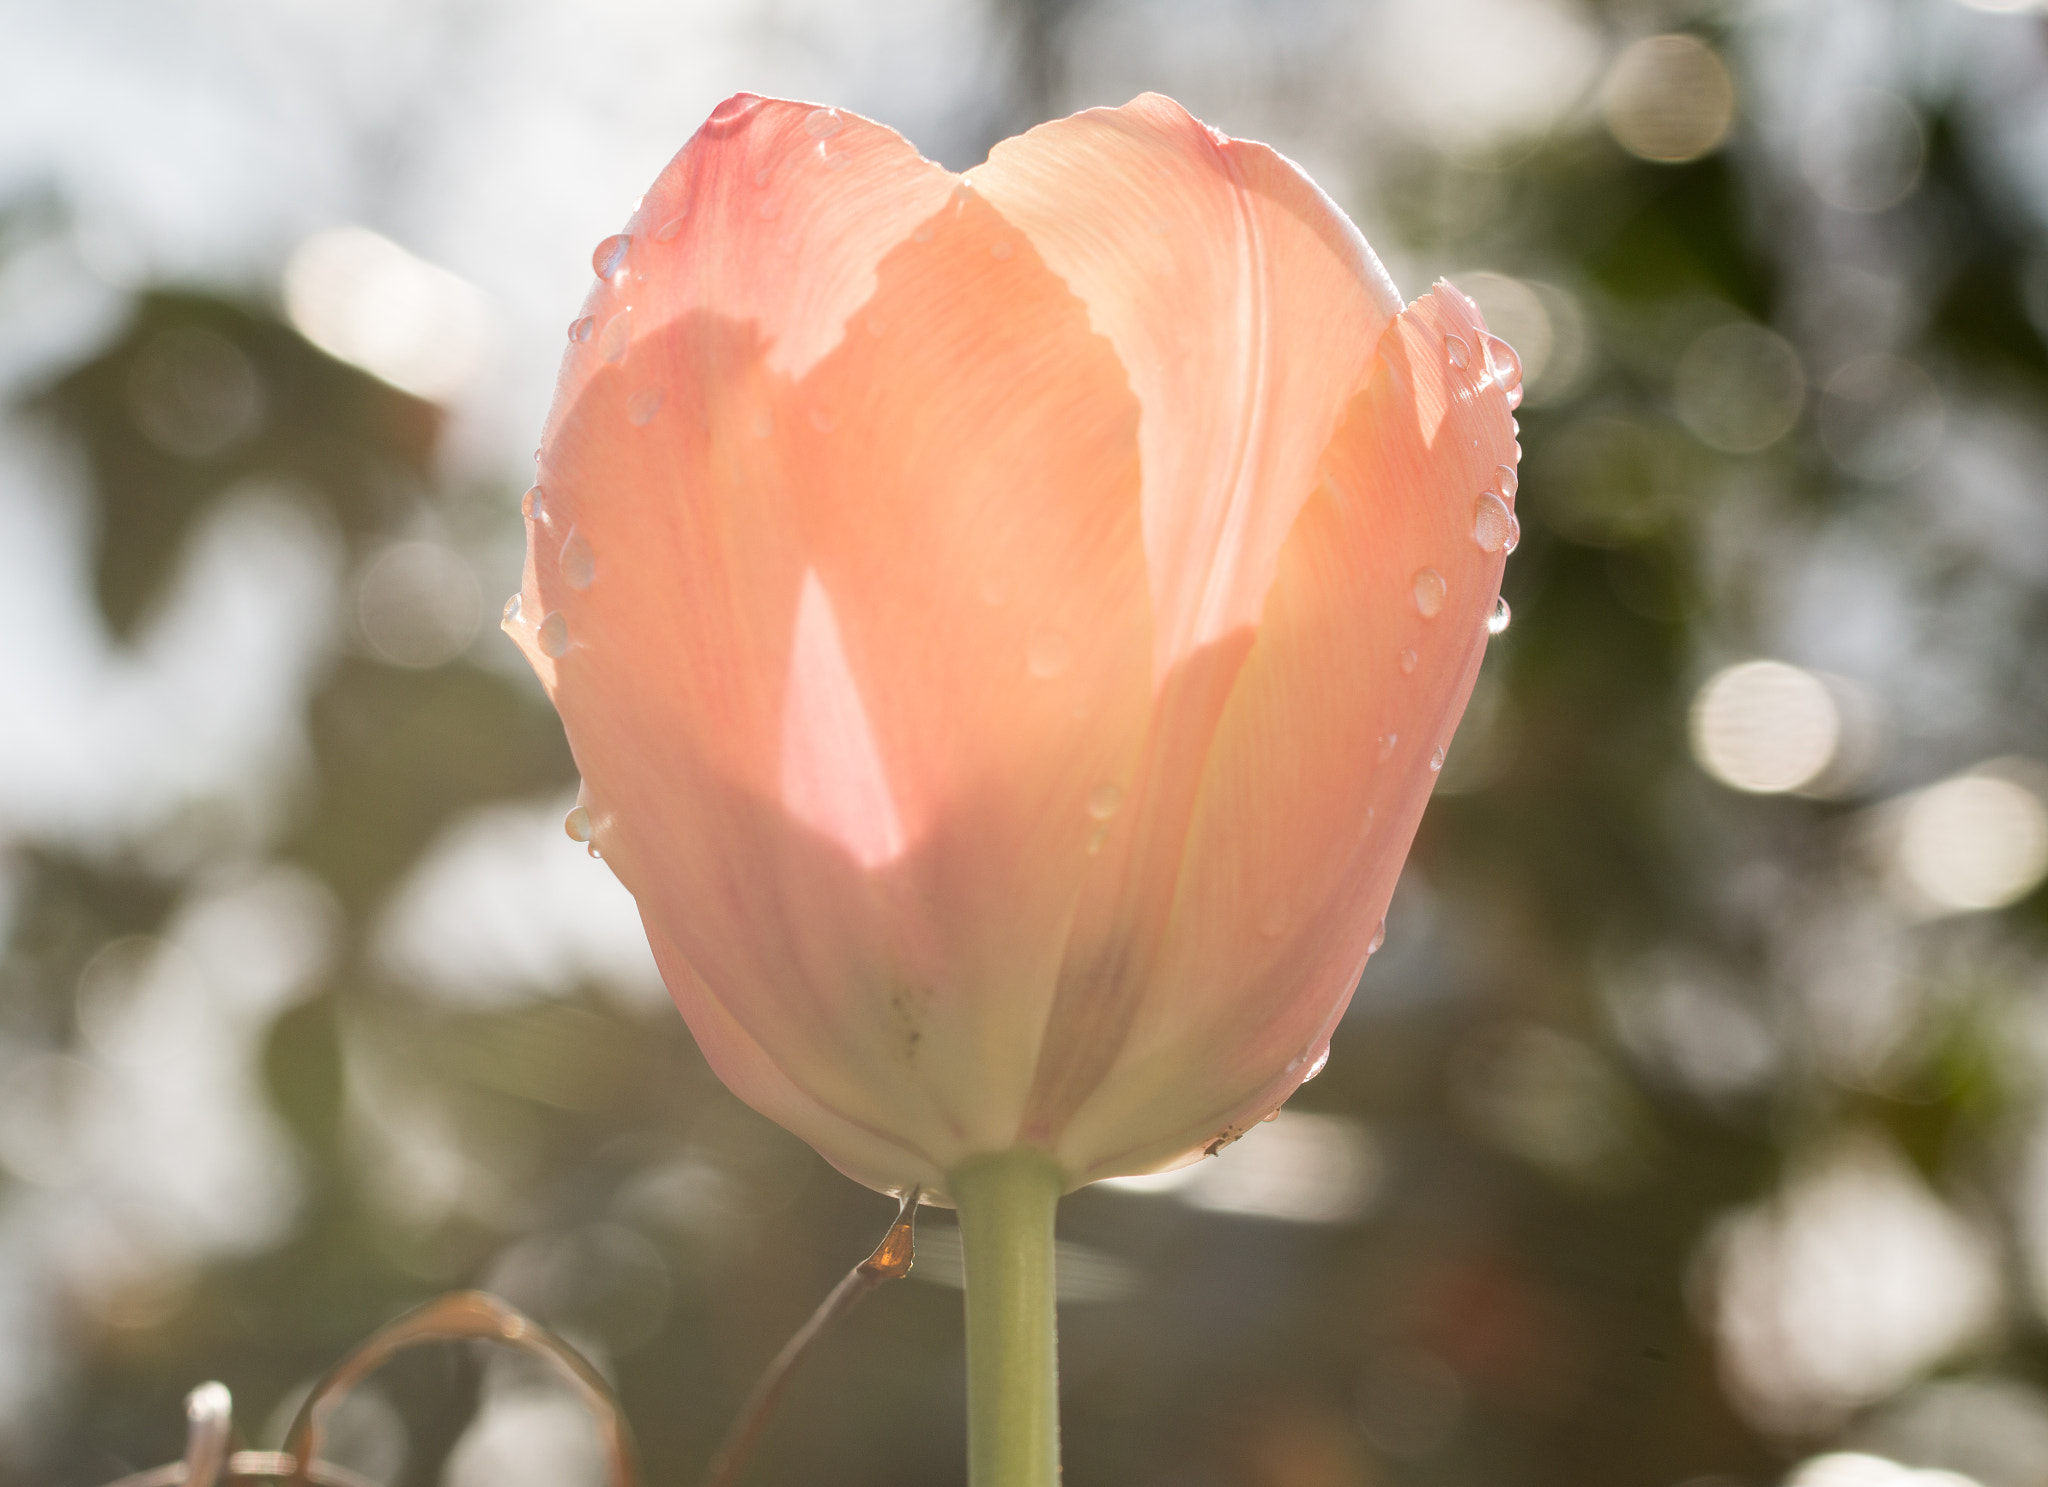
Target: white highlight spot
x,y
360,297
1978,841
1765,727
1305,1169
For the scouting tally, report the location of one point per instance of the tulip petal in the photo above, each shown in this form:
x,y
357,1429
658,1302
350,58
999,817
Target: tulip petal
x,y
1321,763
775,214
845,657
1244,305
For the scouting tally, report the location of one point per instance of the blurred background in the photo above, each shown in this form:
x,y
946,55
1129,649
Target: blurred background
x,y
1692,1128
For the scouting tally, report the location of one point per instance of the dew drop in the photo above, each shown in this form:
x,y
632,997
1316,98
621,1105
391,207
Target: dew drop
x,y
823,123
672,229
823,419
534,504
581,327
1409,661
1097,840
1436,759
577,824
1379,938
922,233
642,406
1498,620
618,334
1000,250
1322,1062
732,113
1508,481
1429,592
1494,527
554,635
1507,368
1270,1115
770,209
1105,800
1049,653
579,564
511,614
609,256
1456,351
1387,742
594,853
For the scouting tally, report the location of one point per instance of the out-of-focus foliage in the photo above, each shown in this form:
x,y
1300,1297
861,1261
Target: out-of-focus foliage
x,y
1681,1133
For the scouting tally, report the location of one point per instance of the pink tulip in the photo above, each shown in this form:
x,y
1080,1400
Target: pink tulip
x,y
1009,623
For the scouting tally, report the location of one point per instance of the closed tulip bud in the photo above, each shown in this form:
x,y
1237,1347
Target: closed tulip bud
x,y
1008,624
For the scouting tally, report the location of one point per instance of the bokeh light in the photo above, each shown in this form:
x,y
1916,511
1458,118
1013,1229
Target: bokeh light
x,y
1765,727
1669,99
1740,387
1881,417
1863,151
1978,841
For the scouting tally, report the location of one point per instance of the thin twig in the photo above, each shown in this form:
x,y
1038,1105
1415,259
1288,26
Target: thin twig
x,y
890,1261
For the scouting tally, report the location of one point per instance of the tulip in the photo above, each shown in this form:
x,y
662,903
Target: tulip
x,y
1008,625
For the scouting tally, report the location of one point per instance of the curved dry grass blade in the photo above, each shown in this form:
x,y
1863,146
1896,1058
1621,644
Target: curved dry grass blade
x,y
458,1315
890,1261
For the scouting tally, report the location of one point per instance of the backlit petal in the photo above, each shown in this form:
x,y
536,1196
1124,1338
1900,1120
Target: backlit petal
x,y
1245,307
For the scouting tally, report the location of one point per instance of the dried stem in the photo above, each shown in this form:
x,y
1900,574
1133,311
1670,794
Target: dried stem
x,y
890,1261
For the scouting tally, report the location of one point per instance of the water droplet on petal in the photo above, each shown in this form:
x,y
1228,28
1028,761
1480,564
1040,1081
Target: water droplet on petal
x,y
618,334
1271,1115
1494,527
732,113
534,504
1507,368
823,419
610,255
577,824
581,327
672,229
1436,759
579,564
1387,742
1097,840
1508,481
1105,800
823,123
511,614
553,638
1429,592
922,233
1322,1062
642,406
1379,938
1049,653
1498,620
1409,661
771,208
1456,351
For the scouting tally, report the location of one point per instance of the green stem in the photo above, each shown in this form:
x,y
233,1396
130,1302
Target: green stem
x,y
1006,1204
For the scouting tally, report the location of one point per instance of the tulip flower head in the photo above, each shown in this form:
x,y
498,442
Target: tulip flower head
x,y
1009,623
